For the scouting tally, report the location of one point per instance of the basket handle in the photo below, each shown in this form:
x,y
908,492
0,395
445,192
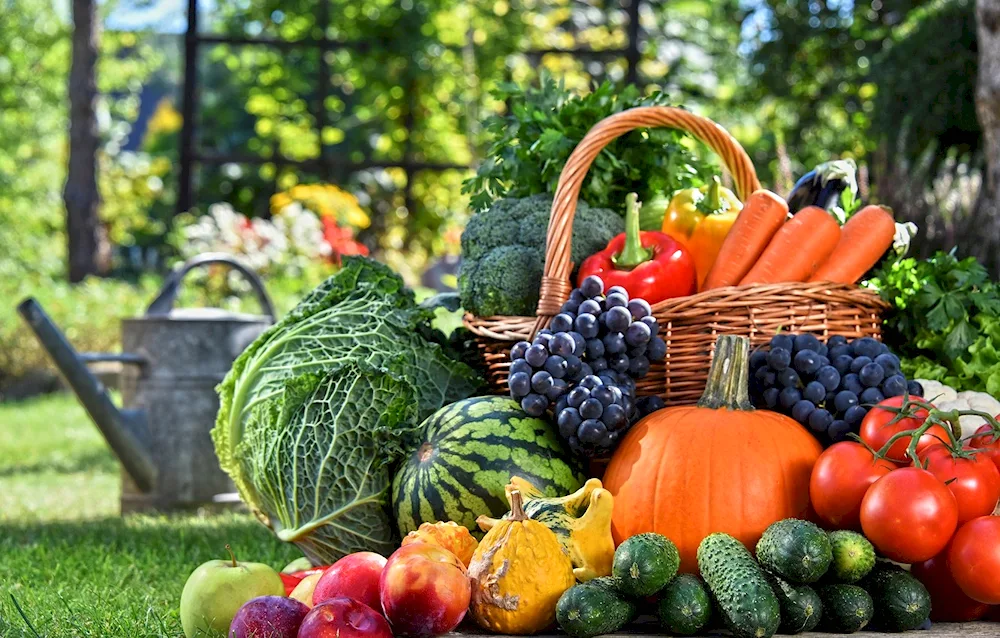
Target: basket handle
x,y
556,286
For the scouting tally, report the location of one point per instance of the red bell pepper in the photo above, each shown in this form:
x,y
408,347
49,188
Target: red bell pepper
x,y
290,581
649,264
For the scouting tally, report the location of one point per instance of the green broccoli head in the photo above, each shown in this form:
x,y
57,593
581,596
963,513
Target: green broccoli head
x,y
504,281
492,280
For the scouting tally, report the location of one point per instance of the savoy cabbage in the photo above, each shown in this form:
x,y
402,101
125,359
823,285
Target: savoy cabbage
x,y
316,410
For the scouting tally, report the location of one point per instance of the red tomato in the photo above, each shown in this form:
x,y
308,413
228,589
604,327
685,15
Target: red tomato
x,y
909,515
988,442
840,478
948,602
974,558
876,430
974,481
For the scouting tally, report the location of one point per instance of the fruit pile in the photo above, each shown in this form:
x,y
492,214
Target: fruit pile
x,y
827,387
584,365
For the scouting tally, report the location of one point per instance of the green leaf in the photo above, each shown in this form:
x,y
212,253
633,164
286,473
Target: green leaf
x,y
959,339
937,318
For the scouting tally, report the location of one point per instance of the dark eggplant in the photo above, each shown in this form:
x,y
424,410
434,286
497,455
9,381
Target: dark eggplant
x,y
824,185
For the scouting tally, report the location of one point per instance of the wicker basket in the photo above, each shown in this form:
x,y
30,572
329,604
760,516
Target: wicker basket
x,y
689,325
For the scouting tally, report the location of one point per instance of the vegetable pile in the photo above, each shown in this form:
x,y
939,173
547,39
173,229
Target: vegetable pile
x,y
821,483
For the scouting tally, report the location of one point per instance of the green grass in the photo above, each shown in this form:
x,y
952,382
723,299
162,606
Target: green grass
x,y
69,565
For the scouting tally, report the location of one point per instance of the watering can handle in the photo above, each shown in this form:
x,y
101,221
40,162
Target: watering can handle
x,y
164,301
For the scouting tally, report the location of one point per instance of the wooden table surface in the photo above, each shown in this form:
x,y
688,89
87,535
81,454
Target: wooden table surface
x,y
938,630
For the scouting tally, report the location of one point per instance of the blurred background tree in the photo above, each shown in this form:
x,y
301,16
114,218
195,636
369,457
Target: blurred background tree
x,y
889,83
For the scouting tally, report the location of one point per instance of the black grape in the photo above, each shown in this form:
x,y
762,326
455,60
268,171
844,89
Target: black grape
x,y
782,341
765,376
829,377
577,396
806,362
534,405
520,385
639,309
595,348
648,405
859,362
536,355
590,307
836,340
521,366
573,364
806,342
556,366
844,401
518,349
637,334
591,431
838,351
654,325
604,394
820,420
590,382
771,398
838,430
894,386
871,396
615,300
889,363
591,286
618,290
779,358
568,421
541,381
915,388
788,378
638,366
558,389
614,417
586,325
842,363
563,322
867,347
871,375
789,397
852,383
617,319
657,349
614,343
815,392
599,364
801,411
591,409
618,362
854,415
579,341
562,344
758,358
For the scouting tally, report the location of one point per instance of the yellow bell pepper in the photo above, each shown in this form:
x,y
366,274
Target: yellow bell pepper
x,y
700,219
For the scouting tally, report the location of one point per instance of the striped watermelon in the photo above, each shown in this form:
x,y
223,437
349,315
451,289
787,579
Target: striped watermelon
x,y
470,450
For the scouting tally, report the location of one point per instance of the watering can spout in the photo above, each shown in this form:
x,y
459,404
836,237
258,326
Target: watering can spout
x,y
122,429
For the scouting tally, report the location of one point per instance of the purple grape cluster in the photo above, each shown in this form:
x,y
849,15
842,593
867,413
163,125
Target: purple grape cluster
x,y
584,365
827,387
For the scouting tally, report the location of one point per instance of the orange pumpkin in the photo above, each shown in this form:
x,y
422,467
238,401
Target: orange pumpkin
x,y
718,466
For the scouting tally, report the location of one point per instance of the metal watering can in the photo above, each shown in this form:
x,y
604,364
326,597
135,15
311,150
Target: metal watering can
x,y
173,359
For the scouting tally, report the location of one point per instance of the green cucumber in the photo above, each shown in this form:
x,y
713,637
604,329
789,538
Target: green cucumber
x,y
796,550
846,608
685,606
748,605
645,563
853,557
800,605
593,608
902,603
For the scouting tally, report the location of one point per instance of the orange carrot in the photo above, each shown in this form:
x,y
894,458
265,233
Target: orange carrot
x,y
798,249
863,240
761,217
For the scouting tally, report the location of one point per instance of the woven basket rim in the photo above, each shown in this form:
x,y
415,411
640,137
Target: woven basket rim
x,y
708,301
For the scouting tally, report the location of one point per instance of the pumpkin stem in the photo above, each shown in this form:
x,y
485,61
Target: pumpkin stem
x,y
729,376
516,508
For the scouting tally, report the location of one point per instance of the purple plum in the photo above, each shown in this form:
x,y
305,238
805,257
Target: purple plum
x,y
268,617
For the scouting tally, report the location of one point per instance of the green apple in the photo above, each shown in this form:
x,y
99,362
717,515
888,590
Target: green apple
x,y
216,590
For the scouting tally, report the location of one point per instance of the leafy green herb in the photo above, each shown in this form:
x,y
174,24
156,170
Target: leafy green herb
x,y
533,140
945,320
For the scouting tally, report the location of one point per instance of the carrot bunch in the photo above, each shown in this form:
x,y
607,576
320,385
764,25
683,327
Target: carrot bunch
x,y
765,246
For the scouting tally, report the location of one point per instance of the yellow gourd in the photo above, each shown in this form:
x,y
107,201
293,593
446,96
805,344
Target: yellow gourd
x,y
518,573
581,521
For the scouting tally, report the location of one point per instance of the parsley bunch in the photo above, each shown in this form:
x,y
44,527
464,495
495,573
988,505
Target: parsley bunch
x,y
533,139
945,320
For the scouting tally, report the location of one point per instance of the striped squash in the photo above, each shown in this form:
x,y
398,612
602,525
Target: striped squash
x,y
469,453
